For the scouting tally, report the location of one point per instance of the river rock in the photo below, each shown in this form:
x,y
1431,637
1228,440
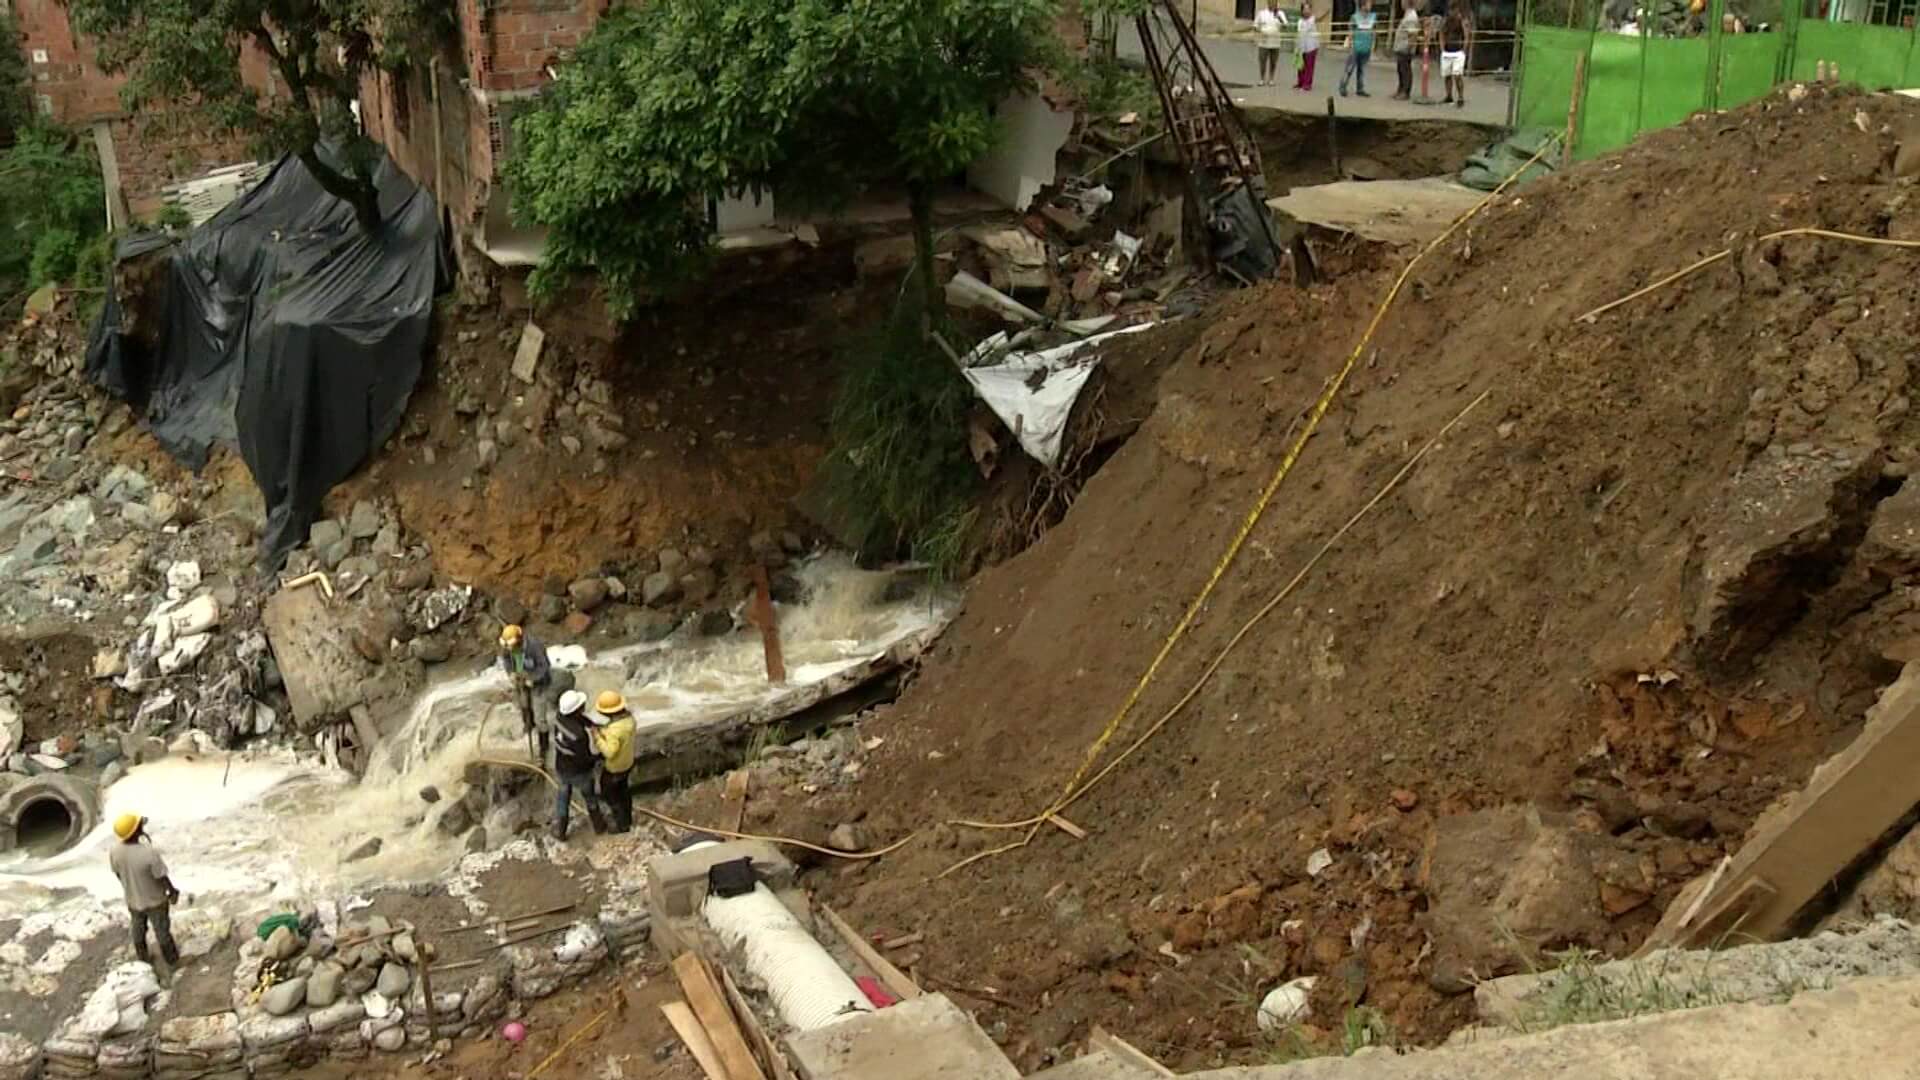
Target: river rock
x,y
697,585
284,997
616,589
340,1014
672,562
404,948
325,533
660,589
393,982
359,980
430,650
323,986
714,623
485,999
477,840
364,522
552,609
588,594
456,818
282,943
391,1040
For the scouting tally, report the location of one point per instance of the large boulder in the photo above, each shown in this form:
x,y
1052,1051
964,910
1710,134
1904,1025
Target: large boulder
x,y
1506,886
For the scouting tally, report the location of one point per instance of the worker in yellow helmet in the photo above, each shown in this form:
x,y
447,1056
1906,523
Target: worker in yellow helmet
x,y
535,690
149,892
613,735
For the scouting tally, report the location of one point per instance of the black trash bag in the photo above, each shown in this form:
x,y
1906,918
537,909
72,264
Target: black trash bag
x,y
289,331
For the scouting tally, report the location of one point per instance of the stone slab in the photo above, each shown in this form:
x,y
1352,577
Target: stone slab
x,y
313,649
1390,211
1862,1028
677,883
928,1038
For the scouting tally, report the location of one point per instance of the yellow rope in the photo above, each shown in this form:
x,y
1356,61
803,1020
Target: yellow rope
x,y
1073,789
1696,267
574,1038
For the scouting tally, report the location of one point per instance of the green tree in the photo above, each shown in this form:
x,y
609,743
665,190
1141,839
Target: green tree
x,y
676,101
52,208
186,54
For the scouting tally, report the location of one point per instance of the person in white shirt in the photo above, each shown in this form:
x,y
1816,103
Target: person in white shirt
x,y
1309,46
1271,25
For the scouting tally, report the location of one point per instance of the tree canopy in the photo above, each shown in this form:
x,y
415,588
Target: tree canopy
x,y
186,54
675,101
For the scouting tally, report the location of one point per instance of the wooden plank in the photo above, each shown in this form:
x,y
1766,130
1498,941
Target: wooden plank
x,y
711,1007
1852,799
882,968
770,1055
1102,1039
1066,826
695,1036
761,615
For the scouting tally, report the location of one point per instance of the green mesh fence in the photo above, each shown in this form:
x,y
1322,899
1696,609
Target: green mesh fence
x,y
1636,82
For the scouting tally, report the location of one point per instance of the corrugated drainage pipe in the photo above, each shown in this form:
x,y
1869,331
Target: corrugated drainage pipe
x,y
808,987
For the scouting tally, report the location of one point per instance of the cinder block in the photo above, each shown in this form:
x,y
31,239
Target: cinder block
x,y
677,884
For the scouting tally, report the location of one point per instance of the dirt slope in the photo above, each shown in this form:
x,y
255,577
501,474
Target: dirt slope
x,y
1682,490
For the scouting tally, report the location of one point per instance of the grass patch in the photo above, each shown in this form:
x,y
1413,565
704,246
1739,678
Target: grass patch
x,y
899,472
1578,991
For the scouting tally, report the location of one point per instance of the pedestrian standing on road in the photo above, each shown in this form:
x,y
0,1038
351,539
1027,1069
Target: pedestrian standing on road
x,y
1360,44
149,893
613,740
1271,26
1406,38
1453,59
1309,46
573,763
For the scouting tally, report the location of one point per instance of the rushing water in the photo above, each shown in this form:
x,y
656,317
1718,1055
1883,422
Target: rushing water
x,y
275,825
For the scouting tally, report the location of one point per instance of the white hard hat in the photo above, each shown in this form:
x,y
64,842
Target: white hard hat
x,y
572,702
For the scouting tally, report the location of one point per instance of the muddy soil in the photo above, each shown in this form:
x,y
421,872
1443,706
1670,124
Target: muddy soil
x,y
1295,153
1638,584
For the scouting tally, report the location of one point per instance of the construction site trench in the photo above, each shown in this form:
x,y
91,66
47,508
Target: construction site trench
x,y
1555,637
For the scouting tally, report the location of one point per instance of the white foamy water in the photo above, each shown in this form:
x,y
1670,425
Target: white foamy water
x,y
262,827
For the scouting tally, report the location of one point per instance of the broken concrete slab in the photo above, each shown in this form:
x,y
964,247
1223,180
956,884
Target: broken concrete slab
x,y
1852,1031
927,1038
312,646
1795,850
1388,211
526,358
1689,978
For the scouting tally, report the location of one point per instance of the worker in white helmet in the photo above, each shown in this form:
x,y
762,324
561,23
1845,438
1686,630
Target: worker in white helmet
x,y
574,761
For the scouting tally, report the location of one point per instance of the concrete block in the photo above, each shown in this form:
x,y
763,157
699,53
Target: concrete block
x,y
928,1038
677,883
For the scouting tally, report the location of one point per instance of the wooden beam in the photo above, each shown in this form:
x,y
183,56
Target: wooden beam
x,y
710,1006
770,1055
895,980
695,1036
760,613
1792,855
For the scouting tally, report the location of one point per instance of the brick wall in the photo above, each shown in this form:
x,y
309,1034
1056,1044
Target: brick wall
x,y
510,42
153,150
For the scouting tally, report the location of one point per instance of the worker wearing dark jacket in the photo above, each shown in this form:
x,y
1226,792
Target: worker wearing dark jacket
x,y
535,690
574,761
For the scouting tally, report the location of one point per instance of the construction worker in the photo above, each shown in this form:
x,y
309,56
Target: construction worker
x,y
150,894
613,740
574,759
525,662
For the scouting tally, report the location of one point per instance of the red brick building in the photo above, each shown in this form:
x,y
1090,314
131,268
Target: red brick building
x,y
139,156
450,127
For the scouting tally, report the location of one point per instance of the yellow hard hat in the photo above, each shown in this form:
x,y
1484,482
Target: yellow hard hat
x,y
609,702
126,825
510,636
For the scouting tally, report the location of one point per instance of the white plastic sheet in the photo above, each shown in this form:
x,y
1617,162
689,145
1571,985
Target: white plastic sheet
x,y
1033,392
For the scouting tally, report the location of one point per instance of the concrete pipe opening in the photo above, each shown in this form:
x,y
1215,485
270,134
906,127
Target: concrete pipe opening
x,y
45,827
45,815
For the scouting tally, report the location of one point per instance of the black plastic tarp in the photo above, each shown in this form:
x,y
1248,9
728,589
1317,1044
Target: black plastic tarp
x,y
288,331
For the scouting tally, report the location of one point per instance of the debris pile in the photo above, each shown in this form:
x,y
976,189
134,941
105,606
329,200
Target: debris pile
x,y
1645,586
